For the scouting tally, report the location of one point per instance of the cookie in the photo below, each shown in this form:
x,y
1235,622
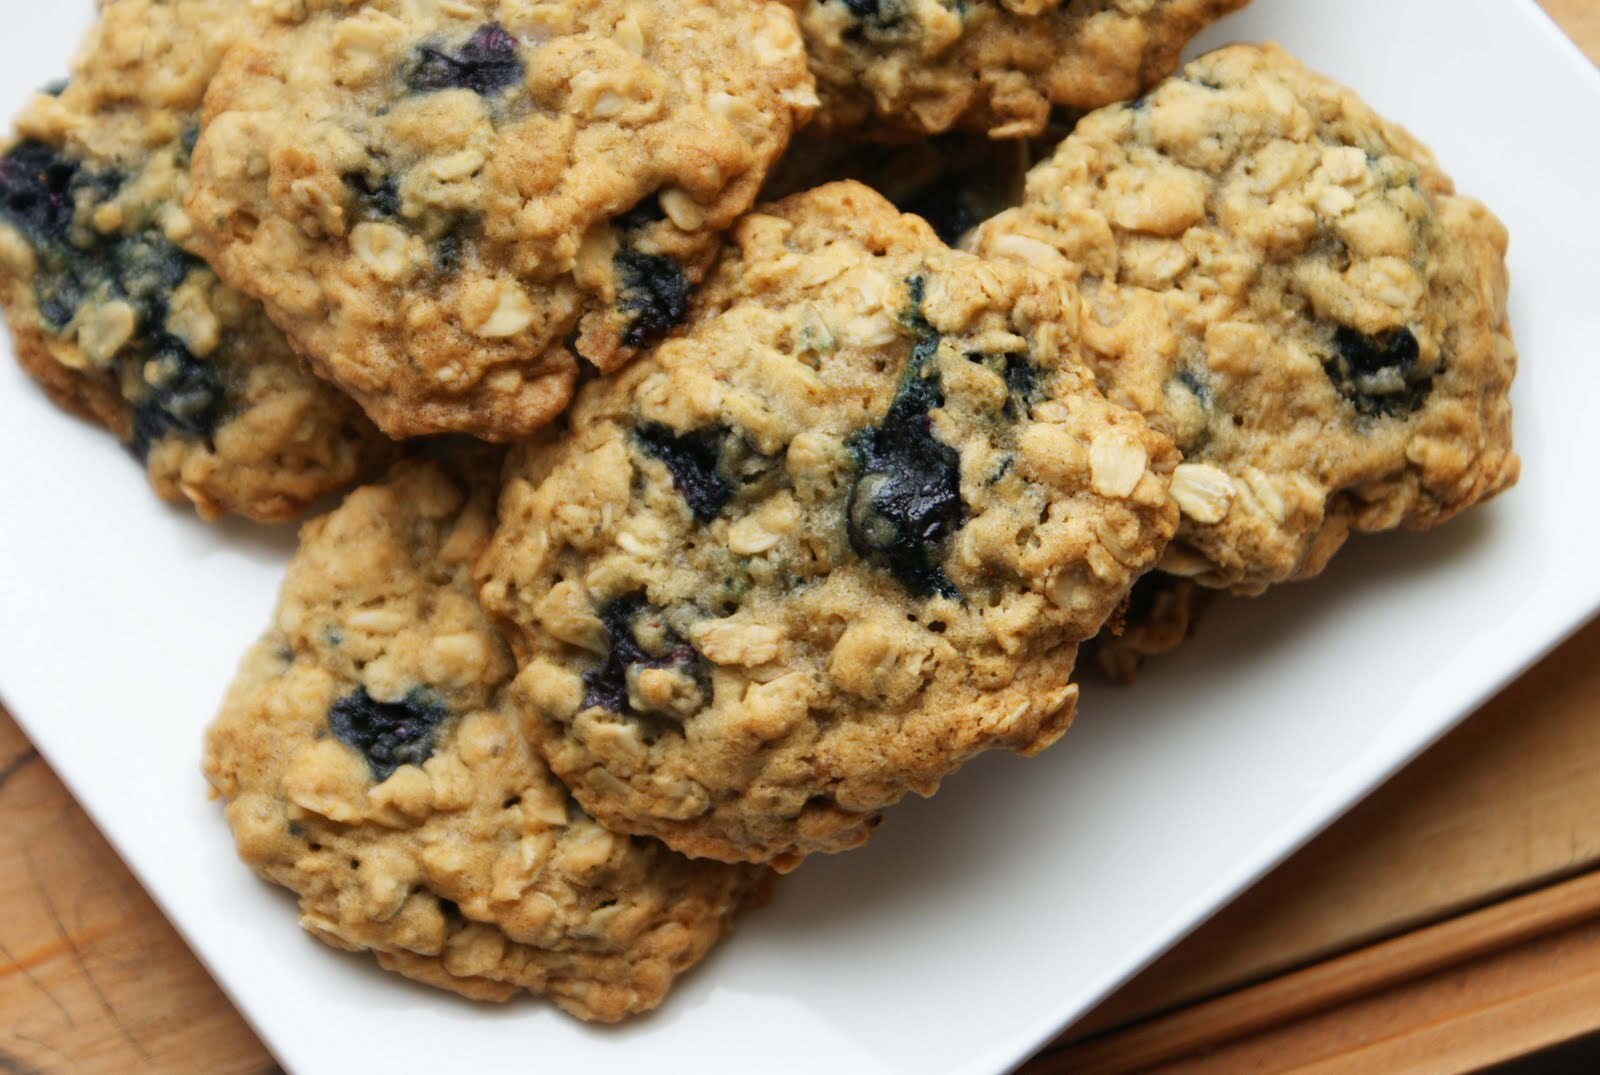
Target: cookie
x,y
372,764
440,202
891,69
1288,285
113,314
838,536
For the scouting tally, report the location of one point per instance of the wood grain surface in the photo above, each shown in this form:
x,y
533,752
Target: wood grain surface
x,y
1451,920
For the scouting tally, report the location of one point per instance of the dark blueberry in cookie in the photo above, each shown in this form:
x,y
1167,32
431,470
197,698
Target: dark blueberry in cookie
x,y
1378,374
186,397
486,64
1022,385
378,199
55,87
948,209
146,268
37,192
1143,597
655,291
59,292
646,212
1373,354
608,684
1191,383
876,14
142,268
907,495
1021,377
447,254
388,734
188,137
693,459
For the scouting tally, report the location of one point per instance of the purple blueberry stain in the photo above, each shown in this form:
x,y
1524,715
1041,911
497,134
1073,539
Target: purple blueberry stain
x,y
38,190
607,686
486,63
694,461
376,198
654,292
1379,374
874,15
906,500
185,396
388,734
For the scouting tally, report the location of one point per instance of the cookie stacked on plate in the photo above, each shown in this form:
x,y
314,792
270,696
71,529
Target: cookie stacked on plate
x,y
727,500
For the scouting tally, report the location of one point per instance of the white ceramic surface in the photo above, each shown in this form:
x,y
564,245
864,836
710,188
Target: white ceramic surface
x,y
975,924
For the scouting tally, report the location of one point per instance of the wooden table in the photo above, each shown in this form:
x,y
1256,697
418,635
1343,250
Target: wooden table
x,y
1450,921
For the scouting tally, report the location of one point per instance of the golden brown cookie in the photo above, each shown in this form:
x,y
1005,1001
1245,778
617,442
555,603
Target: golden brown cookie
x,y
371,763
1288,285
892,69
440,202
111,311
838,536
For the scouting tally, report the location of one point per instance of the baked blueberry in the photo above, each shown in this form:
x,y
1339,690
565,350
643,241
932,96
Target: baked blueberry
x,y
1379,374
608,686
388,734
1022,386
36,191
485,64
378,199
883,572
874,14
185,396
655,293
694,460
645,212
907,494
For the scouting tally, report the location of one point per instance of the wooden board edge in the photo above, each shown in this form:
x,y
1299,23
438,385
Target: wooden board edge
x,y
1568,912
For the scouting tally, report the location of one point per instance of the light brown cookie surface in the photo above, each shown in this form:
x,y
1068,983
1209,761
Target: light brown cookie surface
x,y
441,202
1288,285
372,764
837,537
893,69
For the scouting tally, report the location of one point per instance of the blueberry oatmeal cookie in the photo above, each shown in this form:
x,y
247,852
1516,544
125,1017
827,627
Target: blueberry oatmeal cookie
x,y
114,315
371,763
440,201
899,68
1286,284
838,536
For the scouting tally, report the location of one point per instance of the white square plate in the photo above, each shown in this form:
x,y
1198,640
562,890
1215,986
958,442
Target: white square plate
x,y
980,922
